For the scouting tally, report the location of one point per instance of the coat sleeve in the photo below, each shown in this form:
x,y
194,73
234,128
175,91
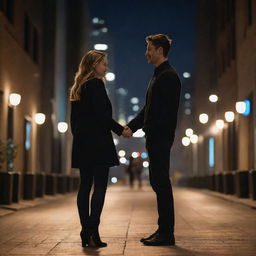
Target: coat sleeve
x,y
100,103
137,122
168,97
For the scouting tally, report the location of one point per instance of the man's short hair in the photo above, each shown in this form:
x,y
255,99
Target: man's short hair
x,y
160,40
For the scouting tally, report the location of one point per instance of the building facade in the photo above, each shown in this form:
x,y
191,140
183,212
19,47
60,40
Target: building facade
x,y
226,62
41,44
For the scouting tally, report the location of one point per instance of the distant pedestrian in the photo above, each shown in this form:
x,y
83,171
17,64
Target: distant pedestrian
x,y
134,171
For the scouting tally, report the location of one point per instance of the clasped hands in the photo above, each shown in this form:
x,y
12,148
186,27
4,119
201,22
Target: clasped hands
x,y
127,132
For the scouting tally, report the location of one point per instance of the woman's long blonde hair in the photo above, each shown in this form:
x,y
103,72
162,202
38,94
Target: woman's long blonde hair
x,y
85,72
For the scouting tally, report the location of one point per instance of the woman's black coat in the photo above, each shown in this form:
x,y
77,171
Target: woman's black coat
x,y
91,125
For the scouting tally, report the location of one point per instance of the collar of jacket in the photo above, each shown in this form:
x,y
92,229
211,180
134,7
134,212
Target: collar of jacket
x,y
161,67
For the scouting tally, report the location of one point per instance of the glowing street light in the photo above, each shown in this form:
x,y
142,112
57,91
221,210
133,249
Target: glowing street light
x,y
220,124
110,76
121,153
62,127
134,100
187,96
122,160
185,141
14,99
189,132
39,118
240,107
135,108
229,116
144,155
203,118
145,164
186,75
194,138
101,47
213,98
135,154
114,180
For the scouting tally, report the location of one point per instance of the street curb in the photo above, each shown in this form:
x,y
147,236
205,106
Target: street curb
x,y
24,204
243,201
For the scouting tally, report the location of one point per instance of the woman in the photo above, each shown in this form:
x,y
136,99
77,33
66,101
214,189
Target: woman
x,y
93,149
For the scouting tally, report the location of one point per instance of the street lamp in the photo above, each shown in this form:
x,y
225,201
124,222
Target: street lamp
x,y
220,124
186,75
229,116
135,108
121,153
145,164
123,160
189,132
203,118
39,118
110,76
14,99
134,100
213,98
101,47
194,138
62,127
240,107
185,141
135,154
187,96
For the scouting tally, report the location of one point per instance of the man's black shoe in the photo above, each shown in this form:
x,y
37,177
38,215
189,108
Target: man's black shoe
x,y
159,240
149,237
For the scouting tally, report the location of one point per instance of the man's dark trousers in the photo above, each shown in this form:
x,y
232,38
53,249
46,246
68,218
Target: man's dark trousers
x,y
158,147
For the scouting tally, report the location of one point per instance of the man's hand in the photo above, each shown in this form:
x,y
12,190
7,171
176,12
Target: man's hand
x,y
127,132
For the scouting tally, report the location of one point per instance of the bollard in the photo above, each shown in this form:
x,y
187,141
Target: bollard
x,y
229,183
242,184
29,186
76,183
219,182
212,182
69,183
51,184
6,187
16,192
252,184
40,184
61,184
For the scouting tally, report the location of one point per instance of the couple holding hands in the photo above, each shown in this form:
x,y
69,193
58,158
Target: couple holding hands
x,y
94,152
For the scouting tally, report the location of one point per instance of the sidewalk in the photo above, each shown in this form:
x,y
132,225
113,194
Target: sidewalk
x,y
205,225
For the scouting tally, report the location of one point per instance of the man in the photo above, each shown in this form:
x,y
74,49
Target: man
x,y
158,119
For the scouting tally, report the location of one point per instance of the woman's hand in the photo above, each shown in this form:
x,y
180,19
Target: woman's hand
x,y
127,132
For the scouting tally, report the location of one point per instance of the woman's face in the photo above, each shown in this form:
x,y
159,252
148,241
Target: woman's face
x,y
101,68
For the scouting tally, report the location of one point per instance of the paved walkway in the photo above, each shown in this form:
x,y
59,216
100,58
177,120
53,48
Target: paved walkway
x,y
205,225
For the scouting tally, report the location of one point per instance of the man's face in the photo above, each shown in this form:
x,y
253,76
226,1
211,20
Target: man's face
x,y
152,53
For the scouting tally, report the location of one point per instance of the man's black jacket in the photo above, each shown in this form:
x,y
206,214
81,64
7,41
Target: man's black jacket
x,y
159,113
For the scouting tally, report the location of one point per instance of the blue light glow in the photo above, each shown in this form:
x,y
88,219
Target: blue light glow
x,y
211,152
28,135
144,155
247,108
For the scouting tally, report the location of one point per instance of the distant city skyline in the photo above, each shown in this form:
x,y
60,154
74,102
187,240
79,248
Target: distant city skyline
x,y
129,22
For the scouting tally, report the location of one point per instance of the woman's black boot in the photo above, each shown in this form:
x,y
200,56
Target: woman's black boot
x,y
85,237
95,239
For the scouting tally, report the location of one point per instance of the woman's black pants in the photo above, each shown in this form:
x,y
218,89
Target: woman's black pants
x,y
90,207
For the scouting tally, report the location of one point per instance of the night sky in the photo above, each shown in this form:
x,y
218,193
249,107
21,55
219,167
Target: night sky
x,y
130,21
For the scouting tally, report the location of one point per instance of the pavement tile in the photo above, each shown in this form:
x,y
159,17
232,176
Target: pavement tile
x,y
206,225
